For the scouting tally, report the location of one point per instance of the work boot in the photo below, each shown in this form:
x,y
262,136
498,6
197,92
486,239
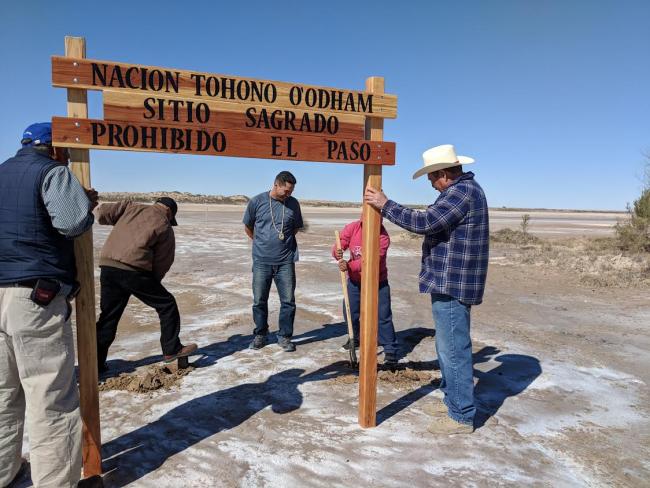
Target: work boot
x,y
346,346
390,359
183,352
286,344
259,341
447,426
435,408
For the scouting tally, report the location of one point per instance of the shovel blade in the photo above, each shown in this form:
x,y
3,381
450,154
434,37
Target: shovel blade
x,y
353,358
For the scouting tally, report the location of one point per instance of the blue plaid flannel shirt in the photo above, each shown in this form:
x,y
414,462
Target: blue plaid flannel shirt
x,y
456,239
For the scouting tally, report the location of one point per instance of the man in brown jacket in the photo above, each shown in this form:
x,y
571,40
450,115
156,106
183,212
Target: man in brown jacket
x,y
136,256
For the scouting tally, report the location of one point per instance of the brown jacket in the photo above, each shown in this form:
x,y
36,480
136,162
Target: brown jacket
x,y
142,237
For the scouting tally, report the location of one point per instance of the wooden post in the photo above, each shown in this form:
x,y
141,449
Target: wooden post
x,y
370,277
85,302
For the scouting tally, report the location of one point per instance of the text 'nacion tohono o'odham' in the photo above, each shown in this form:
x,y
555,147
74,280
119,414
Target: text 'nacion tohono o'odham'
x,y
98,75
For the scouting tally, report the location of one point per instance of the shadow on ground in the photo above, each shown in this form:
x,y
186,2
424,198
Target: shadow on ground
x,y
513,375
145,449
137,453
212,353
409,339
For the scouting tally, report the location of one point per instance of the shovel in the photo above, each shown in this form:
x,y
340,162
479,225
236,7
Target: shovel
x,y
344,283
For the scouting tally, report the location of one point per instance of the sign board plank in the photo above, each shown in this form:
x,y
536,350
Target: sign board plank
x,y
121,135
153,109
98,75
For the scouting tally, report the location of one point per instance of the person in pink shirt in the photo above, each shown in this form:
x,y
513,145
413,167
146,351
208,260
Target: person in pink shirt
x,y
351,238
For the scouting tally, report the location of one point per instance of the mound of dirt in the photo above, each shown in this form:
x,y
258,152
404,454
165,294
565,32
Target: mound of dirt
x,y
153,378
346,379
396,377
406,375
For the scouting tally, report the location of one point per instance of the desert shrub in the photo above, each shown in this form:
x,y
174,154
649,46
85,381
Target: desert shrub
x,y
525,220
642,205
601,244
512,236
634,234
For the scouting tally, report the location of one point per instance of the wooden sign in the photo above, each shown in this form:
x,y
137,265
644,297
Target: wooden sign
x,y
188,139
147,108
99,75
154,109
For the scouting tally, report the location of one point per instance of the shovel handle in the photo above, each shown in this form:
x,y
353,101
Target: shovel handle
x,y
344,284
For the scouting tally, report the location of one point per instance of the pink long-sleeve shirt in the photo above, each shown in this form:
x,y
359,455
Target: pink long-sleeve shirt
x,y
351,238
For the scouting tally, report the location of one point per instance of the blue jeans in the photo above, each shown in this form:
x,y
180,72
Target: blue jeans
x,y
385,327
284,276
454,349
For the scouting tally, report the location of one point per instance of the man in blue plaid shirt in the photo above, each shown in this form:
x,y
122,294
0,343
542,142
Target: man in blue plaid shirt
x,y
454,267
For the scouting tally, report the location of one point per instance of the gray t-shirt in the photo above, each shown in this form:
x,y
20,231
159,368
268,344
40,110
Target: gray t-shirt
x,y
268,248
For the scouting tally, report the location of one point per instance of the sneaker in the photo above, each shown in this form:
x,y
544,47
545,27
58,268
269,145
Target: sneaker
x,y
259,341
286,344
445,425
183,352
346,346
390,358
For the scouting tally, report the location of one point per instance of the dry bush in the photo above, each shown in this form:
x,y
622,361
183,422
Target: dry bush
x,y
525,221
597,262
511,236
634,234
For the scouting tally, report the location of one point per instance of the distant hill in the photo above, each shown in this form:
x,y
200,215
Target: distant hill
x,y
180,197
186,197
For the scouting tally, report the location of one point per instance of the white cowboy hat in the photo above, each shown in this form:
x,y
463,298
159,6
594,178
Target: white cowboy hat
x,y
440,157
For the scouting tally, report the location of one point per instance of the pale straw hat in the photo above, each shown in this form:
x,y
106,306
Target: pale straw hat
x,y
440,157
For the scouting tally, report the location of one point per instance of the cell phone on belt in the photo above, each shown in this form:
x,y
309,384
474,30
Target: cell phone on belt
x,y
44,292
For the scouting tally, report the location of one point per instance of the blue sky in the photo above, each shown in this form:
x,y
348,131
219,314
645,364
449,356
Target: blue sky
x,y
550,97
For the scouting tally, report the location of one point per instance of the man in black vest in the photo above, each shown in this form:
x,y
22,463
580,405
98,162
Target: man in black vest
x,y
42,208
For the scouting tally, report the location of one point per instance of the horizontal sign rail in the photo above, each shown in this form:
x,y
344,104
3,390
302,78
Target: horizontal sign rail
x,y
99,75
154,109
128,136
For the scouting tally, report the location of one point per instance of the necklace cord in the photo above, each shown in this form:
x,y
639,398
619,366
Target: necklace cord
x,y
273,220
